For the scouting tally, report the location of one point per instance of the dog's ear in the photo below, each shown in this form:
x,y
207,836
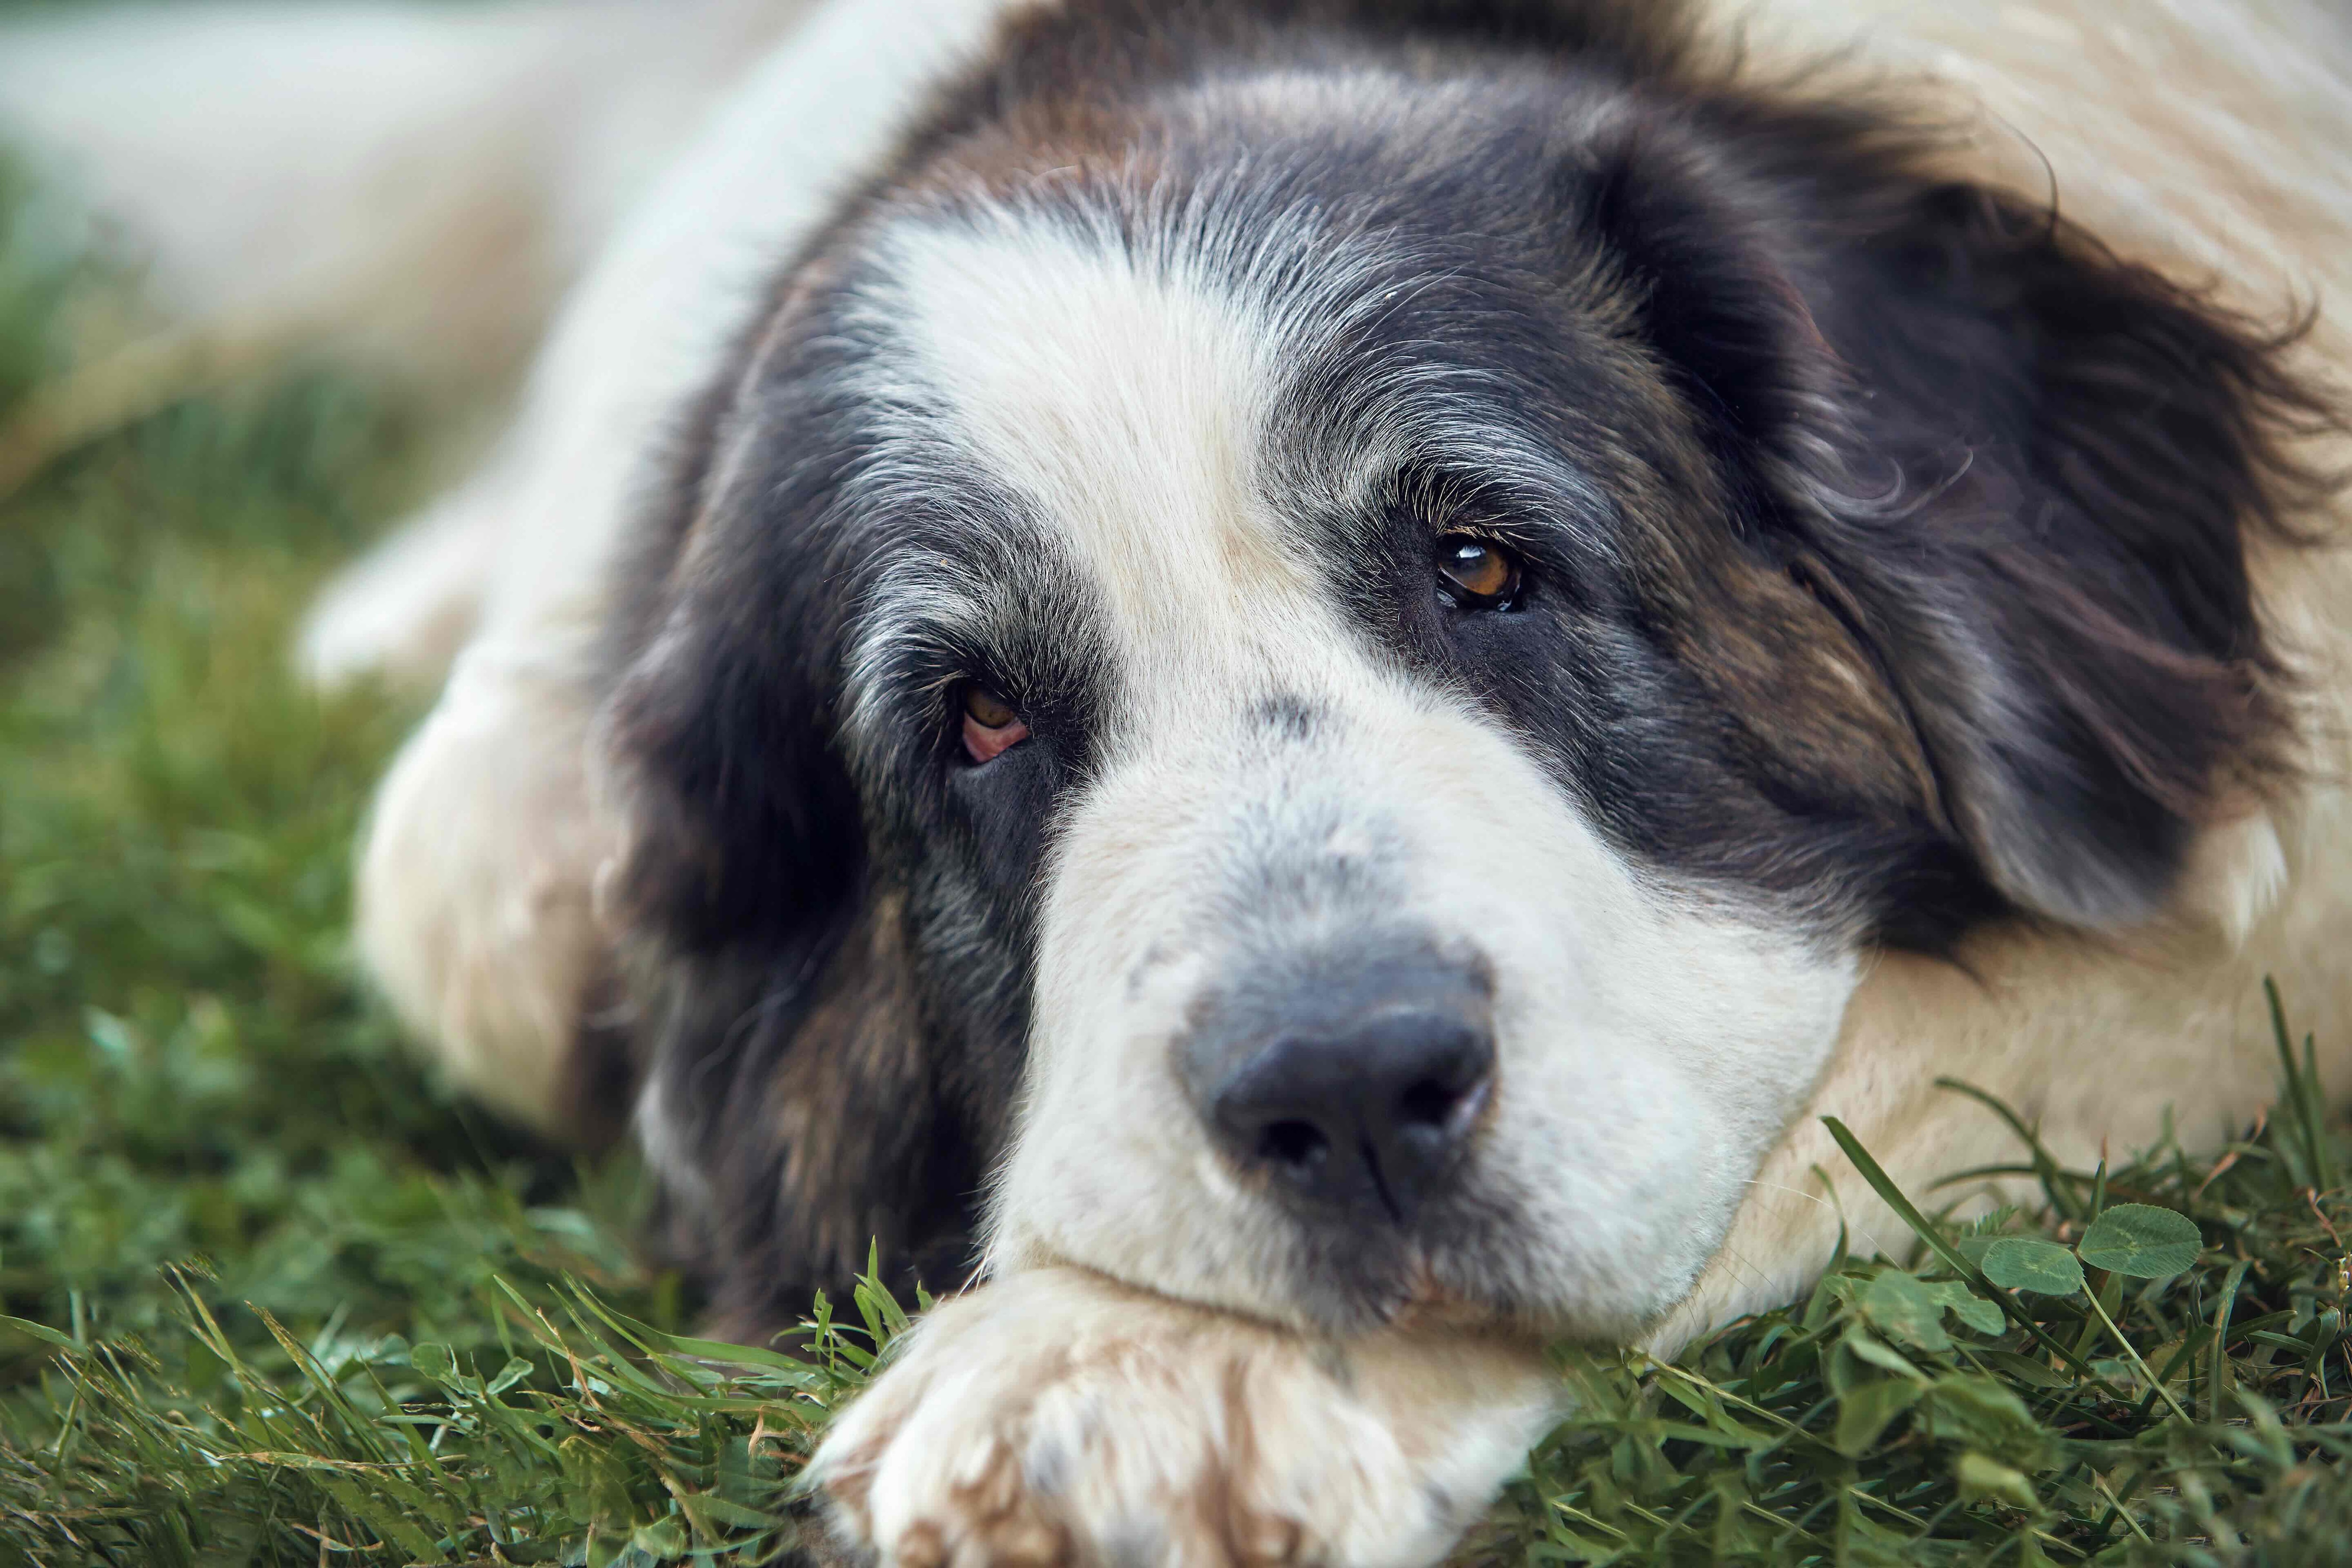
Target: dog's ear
x,y
742,827
792,1098
2026,473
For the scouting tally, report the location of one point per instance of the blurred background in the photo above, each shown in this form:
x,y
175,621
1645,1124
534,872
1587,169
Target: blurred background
x,y
190,1072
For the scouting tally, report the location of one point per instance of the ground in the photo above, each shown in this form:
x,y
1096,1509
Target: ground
x,y
273,1295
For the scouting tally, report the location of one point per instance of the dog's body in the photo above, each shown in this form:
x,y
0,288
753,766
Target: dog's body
x,y
956,694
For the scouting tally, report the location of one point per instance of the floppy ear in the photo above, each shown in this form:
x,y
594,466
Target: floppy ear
x,y
792,1102
2025,472
743,826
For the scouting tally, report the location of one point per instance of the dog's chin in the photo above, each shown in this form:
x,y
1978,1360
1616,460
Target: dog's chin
x,y
1419,1296
1466,1268
1387,1282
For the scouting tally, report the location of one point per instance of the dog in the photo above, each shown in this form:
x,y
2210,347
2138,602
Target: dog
x,y
1298,681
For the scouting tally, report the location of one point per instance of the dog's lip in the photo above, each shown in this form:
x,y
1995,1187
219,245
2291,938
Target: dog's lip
x,y
1411,1294
1412,1298
1427,1302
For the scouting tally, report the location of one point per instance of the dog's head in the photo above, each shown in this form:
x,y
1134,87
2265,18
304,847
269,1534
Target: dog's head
x,y
1324,645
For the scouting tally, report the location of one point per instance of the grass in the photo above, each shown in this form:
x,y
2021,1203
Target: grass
x,y
273,1296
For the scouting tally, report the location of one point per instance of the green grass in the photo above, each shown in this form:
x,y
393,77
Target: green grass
x,y
275,1297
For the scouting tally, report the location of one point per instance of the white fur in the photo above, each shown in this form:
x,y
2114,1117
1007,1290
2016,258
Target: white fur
x,y
477,905
1055,1417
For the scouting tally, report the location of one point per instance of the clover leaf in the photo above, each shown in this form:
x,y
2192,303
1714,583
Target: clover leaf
x,y
2028,1263
2143,1241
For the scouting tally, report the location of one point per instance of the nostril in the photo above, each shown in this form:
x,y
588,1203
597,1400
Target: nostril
x,y
1428,1103
1300,1145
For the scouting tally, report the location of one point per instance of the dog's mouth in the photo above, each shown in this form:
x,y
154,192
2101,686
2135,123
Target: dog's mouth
x,y
1392,1284
1431,1302
1446,1266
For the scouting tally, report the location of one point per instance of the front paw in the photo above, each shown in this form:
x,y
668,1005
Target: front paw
x,y
1054,1417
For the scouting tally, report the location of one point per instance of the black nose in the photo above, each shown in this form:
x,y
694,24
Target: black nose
x,y
1356,1097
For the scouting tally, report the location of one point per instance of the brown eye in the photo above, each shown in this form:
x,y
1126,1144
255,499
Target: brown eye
x,y
989,724
1478,572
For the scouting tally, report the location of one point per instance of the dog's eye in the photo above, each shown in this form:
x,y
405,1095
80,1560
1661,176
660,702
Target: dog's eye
x,y
989,724
1477,574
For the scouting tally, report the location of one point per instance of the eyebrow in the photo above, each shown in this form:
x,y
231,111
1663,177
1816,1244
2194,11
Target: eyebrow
x,y
964,583
1466,458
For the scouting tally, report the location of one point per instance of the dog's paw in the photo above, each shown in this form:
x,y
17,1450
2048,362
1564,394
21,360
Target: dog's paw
x,y
1055,1418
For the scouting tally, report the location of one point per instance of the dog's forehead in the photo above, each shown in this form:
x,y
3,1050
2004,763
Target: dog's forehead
x,y
1124,391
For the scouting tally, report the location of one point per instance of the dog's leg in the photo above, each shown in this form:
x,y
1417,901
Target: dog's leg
x,y
1056,1417
476,884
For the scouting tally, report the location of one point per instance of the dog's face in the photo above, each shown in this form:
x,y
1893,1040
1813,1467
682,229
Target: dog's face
x,y
1352,860
1363,970
1333,676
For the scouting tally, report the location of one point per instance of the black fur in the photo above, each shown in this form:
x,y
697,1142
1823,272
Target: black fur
x,y
1917,597
2034,472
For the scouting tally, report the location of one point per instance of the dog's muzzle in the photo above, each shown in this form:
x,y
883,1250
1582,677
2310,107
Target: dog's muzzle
x,y
1349,1083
